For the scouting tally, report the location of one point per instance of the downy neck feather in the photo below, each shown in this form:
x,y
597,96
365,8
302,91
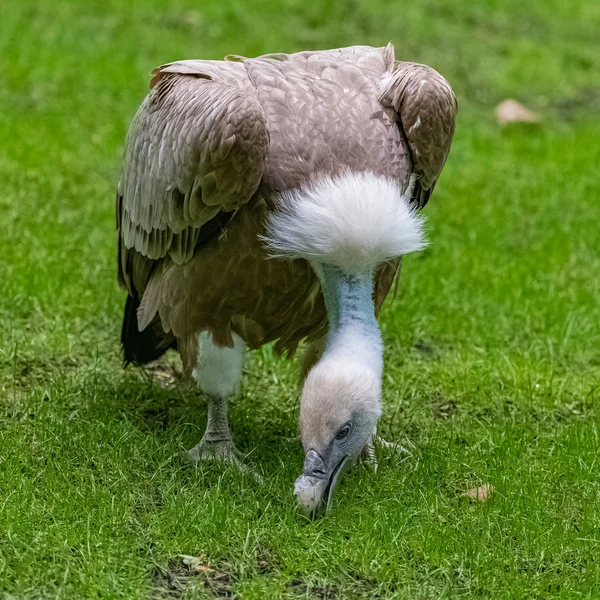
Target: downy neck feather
x,y
354,335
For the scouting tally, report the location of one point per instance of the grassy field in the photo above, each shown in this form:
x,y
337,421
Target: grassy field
x,y
492,346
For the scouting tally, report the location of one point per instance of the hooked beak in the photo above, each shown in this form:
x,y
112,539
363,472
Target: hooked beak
x,y
315,487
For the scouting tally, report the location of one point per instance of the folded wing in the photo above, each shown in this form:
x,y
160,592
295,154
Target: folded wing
x,y
195,149
426,109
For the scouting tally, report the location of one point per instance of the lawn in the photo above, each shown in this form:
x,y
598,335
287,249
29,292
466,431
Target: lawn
x,y
492,363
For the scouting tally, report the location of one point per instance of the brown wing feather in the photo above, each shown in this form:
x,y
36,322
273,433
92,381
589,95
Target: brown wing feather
x,y
196,147
426,108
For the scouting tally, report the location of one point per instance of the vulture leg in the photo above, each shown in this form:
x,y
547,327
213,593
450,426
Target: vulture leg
x,y
369,454
218,374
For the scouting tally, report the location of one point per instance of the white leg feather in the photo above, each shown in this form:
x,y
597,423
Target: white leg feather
x,y
219,370
218,374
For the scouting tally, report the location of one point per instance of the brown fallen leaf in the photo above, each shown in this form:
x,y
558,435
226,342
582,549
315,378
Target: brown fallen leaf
x,y
511,111
167,369
203,569
196,563
481,493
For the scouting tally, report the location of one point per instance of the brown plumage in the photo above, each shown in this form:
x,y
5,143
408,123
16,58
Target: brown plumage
x,y
209,150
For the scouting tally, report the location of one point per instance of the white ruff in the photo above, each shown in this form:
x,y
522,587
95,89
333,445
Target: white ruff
x,y
353,222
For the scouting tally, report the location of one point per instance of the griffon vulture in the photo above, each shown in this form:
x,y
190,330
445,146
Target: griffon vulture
x,y
270,199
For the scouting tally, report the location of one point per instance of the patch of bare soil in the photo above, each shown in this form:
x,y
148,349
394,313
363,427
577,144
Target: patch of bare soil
x,y
184,572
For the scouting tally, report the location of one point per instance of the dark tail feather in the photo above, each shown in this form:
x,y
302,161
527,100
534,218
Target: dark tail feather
x,y
141,347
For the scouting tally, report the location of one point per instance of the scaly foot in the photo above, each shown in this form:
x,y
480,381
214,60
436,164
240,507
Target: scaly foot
x,y
222,451
369,455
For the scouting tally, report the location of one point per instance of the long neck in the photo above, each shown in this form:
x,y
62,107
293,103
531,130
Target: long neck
x,y
353,330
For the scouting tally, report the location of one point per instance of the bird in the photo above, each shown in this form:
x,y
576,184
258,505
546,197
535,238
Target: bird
x,y
271,199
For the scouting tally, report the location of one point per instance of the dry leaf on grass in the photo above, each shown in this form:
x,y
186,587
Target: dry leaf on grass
x,y
166,374
481,493
196,563
167,369
511,111
216,581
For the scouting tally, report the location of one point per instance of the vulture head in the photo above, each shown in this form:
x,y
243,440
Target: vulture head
x,y
338,416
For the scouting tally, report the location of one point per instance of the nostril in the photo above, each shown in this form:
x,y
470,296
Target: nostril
x,y
314,465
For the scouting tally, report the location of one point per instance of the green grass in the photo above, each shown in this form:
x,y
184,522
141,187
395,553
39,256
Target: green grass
x,y
492,347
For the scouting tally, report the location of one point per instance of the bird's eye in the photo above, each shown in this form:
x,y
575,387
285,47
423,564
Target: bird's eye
x,y
343,432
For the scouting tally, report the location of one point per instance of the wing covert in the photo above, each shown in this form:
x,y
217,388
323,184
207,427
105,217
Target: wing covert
x,y
196,147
